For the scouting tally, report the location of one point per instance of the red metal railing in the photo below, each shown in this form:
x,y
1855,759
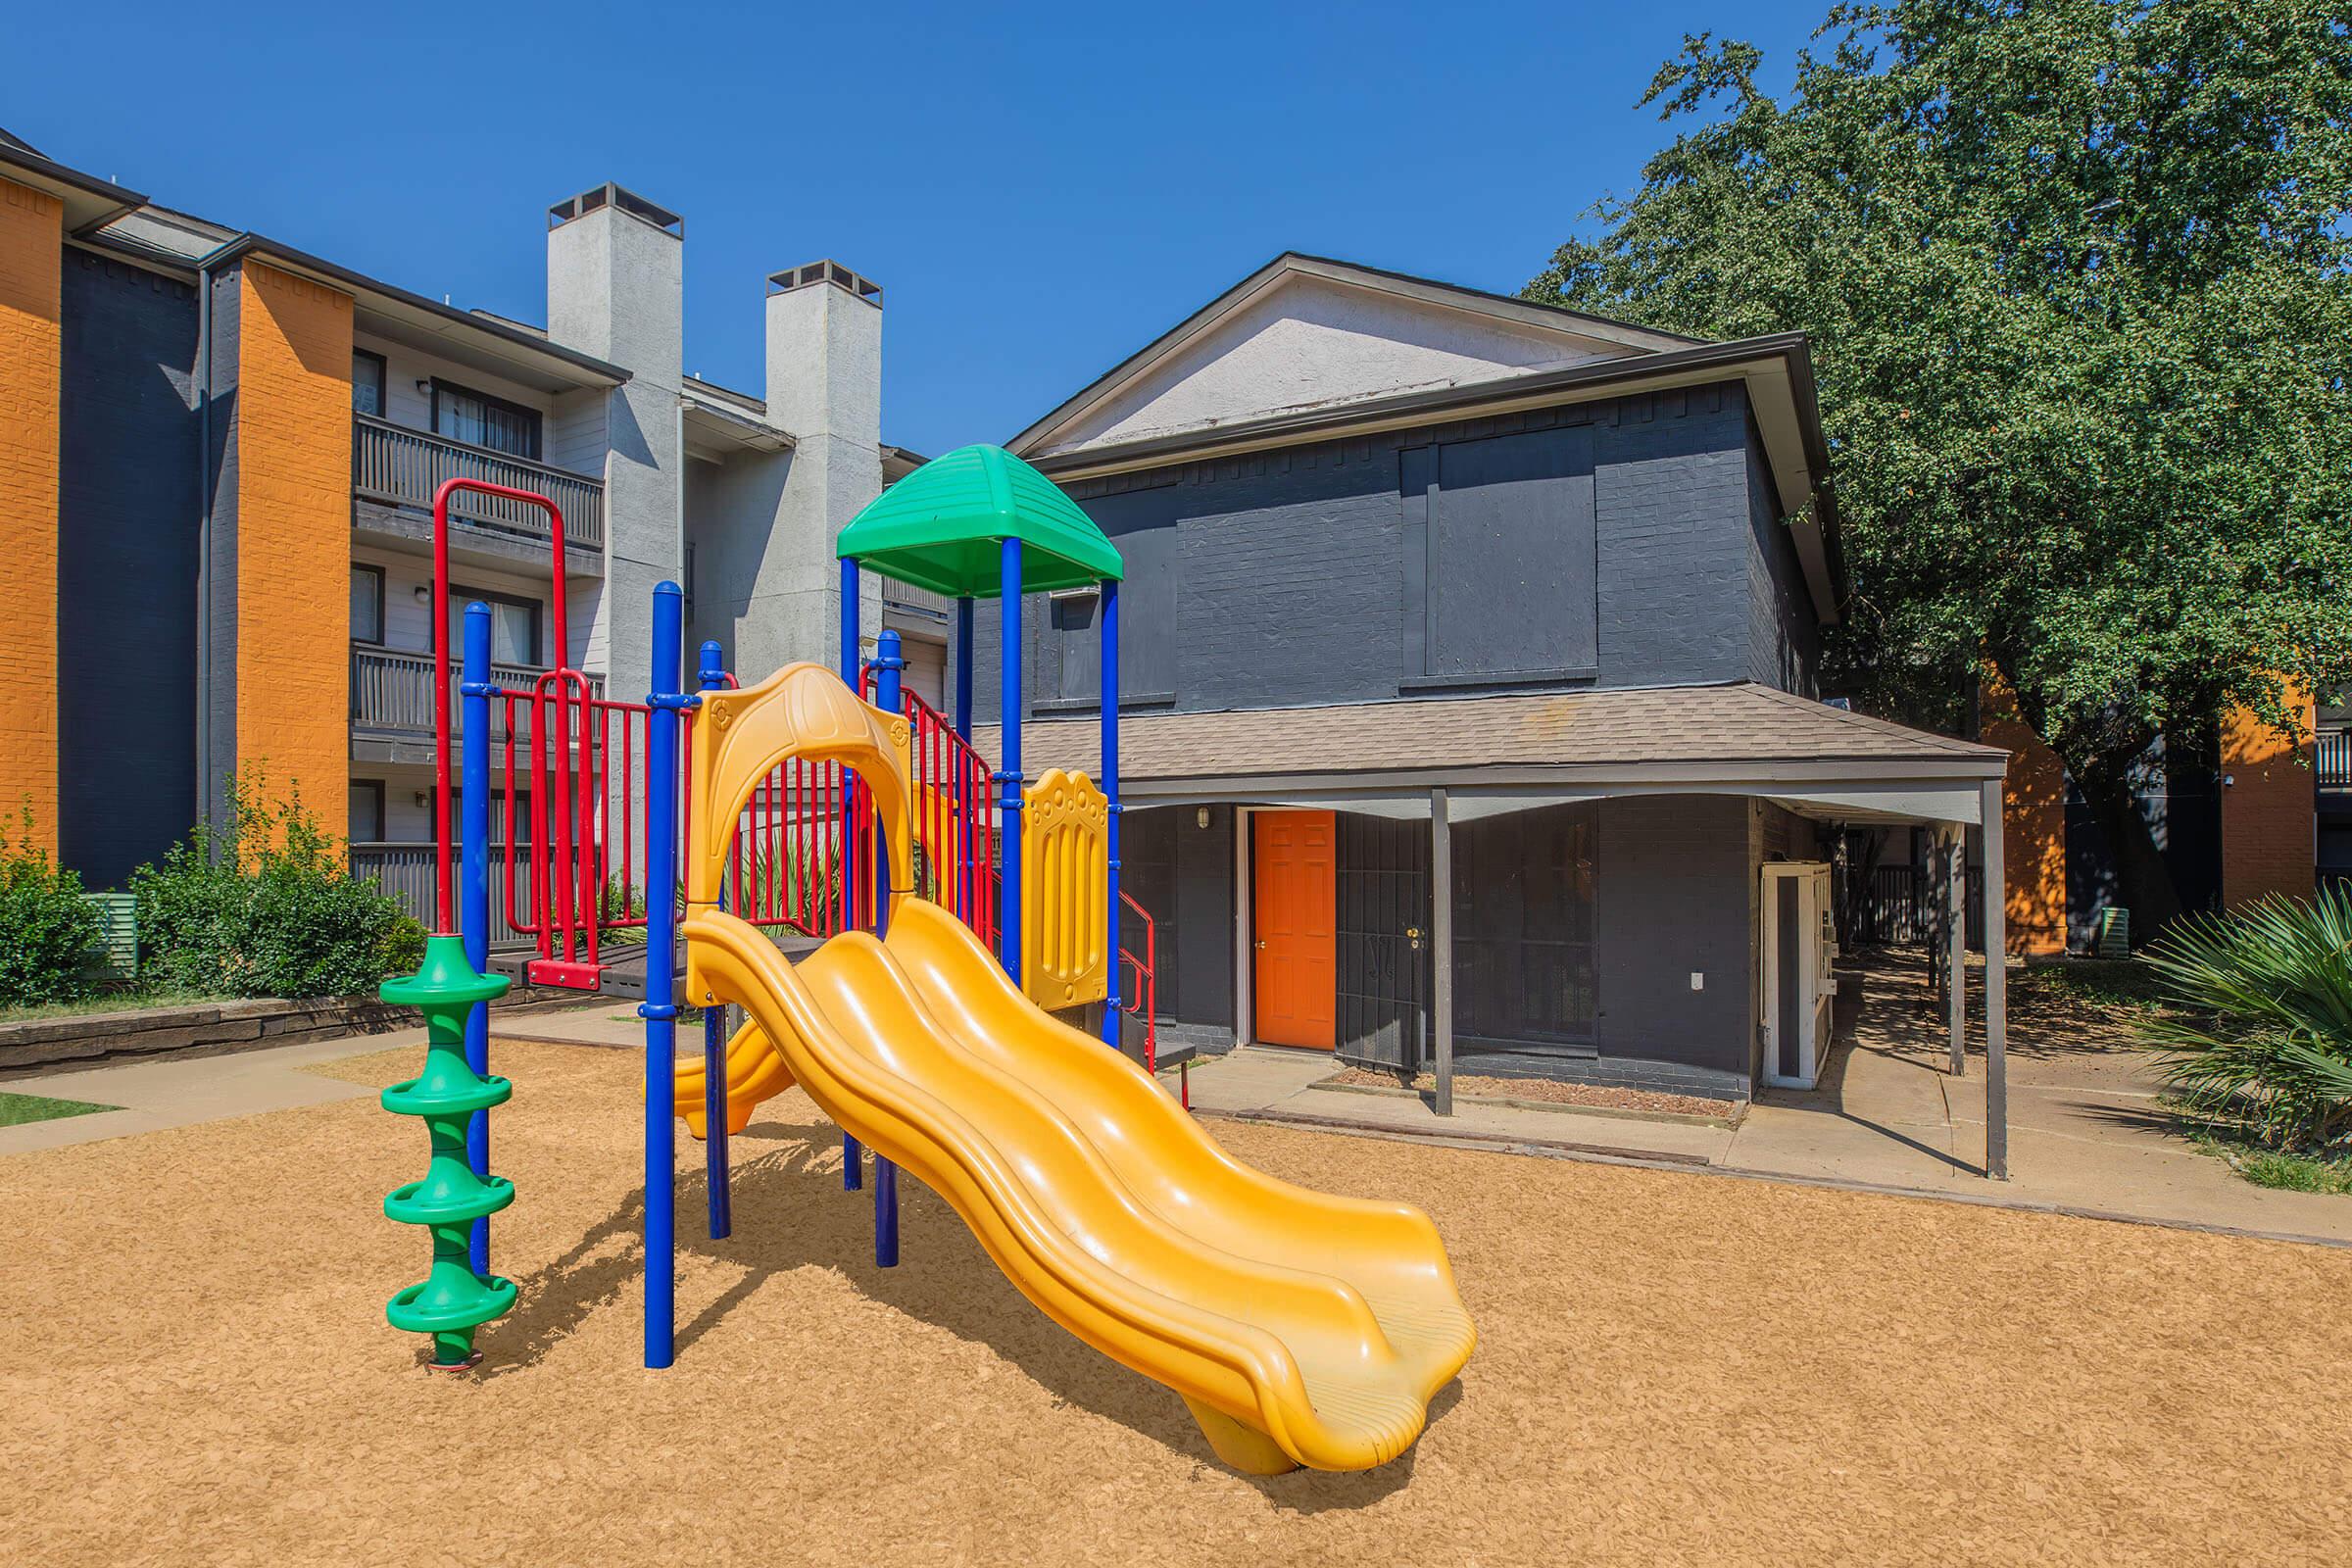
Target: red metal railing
x,y
573,822
803,851
953,815
1144,995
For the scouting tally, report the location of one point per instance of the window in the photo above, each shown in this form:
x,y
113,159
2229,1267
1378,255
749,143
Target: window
x,y
366,824
367,604
482,421
513,626
367,383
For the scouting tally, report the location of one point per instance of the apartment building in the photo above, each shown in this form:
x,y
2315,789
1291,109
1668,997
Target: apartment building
x,y
218,457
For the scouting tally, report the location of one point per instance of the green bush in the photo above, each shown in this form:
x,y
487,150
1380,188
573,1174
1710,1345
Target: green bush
x,y
2262,1043
268,906
46,926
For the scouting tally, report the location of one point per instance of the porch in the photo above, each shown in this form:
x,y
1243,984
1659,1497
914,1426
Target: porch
x,y
1621,887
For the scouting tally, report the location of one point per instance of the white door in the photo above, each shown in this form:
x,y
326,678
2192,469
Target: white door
x,y
1794,955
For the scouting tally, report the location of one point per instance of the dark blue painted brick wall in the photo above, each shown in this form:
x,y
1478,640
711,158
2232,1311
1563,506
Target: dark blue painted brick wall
x,y
127,503
1290,582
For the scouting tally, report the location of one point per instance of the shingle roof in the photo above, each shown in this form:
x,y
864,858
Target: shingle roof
x,y
1667,726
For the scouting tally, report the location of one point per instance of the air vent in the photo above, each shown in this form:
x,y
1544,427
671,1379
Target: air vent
x,y
827,272
629,201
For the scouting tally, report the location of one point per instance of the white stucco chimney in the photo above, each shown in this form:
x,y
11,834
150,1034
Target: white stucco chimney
x,y
615,289
824,385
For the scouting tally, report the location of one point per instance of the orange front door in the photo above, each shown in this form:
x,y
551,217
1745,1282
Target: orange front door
x,y
1297,976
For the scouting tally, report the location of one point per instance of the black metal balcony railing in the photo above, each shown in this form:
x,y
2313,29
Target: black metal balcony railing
x,y
406,871
392,692
403,467
2332,760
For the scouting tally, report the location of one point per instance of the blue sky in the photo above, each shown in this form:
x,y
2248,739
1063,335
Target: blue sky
x,y
1040,191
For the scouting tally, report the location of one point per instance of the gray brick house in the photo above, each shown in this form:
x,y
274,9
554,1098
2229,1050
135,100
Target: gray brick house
x,y
1468,672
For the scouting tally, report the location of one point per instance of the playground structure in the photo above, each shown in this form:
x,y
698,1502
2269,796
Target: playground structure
x,y
955,923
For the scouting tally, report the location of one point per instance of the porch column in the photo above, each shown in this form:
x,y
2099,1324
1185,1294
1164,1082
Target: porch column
x,y
1440,945
1997,991
1953,856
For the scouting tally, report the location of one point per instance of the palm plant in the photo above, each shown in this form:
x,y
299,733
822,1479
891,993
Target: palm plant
x,y
2261,1032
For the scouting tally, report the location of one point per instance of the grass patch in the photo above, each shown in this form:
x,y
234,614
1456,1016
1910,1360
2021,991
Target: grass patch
x,y
17,1109
2124,985
110,1001
2278,1168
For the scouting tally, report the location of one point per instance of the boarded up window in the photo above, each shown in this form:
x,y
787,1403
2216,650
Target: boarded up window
x,y
1500,559
1523,888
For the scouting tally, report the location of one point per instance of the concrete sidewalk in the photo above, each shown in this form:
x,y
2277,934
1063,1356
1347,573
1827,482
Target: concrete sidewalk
x,y
181,1092
160,1091
2085,1134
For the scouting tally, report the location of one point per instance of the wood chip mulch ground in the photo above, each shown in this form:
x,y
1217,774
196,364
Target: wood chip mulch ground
x,y
1546,1090
1674,1369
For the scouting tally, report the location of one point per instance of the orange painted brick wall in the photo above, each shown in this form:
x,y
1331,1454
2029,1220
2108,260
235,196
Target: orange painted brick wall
x,y
294,537
2033,819
31,252
2266,810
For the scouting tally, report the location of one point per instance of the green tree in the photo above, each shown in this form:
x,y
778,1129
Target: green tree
x,y
2074,272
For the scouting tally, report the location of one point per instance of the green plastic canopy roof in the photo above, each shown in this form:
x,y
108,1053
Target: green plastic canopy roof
x,y
943,525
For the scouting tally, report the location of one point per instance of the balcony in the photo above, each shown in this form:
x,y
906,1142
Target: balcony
x,y
392,695
394,466
2331,758
406,871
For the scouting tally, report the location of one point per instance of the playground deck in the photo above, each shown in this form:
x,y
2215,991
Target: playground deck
x,y
1672,1368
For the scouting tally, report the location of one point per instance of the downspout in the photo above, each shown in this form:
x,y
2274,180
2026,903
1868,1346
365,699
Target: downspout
x,y
204,539
678,492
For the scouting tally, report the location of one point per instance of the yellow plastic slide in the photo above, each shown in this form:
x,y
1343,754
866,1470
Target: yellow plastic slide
x,y
1300,1329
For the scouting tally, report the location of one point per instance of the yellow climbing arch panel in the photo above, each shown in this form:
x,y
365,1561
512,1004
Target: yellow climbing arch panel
x,y
1065,863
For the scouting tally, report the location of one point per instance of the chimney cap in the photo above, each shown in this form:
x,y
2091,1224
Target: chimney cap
x,y
826,272
629,201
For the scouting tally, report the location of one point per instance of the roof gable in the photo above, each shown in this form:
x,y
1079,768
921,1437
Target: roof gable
x,y
1306,333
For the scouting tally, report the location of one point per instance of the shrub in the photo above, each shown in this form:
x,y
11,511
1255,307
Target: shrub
x,y
2264,1041
46,926
268,906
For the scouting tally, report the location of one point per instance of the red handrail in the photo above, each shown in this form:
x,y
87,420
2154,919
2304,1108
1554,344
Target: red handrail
x,y
1146,991
445,901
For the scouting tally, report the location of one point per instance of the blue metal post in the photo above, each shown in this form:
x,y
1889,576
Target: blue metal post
x,y
1109,782
963,666
474,882
711,676
1008,773
888,696
659,1008
853,1159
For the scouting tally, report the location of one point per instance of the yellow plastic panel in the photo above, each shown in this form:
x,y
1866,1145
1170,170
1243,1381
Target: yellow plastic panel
x,y
1298,1328
1065,876
803,710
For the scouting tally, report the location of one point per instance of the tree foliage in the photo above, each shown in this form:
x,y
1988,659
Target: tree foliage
x,y
2074,272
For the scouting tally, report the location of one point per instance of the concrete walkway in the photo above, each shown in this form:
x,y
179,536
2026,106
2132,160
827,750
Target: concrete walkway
x,y
182,1091
2085,1134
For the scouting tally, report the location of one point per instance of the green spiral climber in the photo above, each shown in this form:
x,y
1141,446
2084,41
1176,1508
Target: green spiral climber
x,y
453,1301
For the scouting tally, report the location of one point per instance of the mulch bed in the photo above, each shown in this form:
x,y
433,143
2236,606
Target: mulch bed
x,y
1674,1369
1548,1091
